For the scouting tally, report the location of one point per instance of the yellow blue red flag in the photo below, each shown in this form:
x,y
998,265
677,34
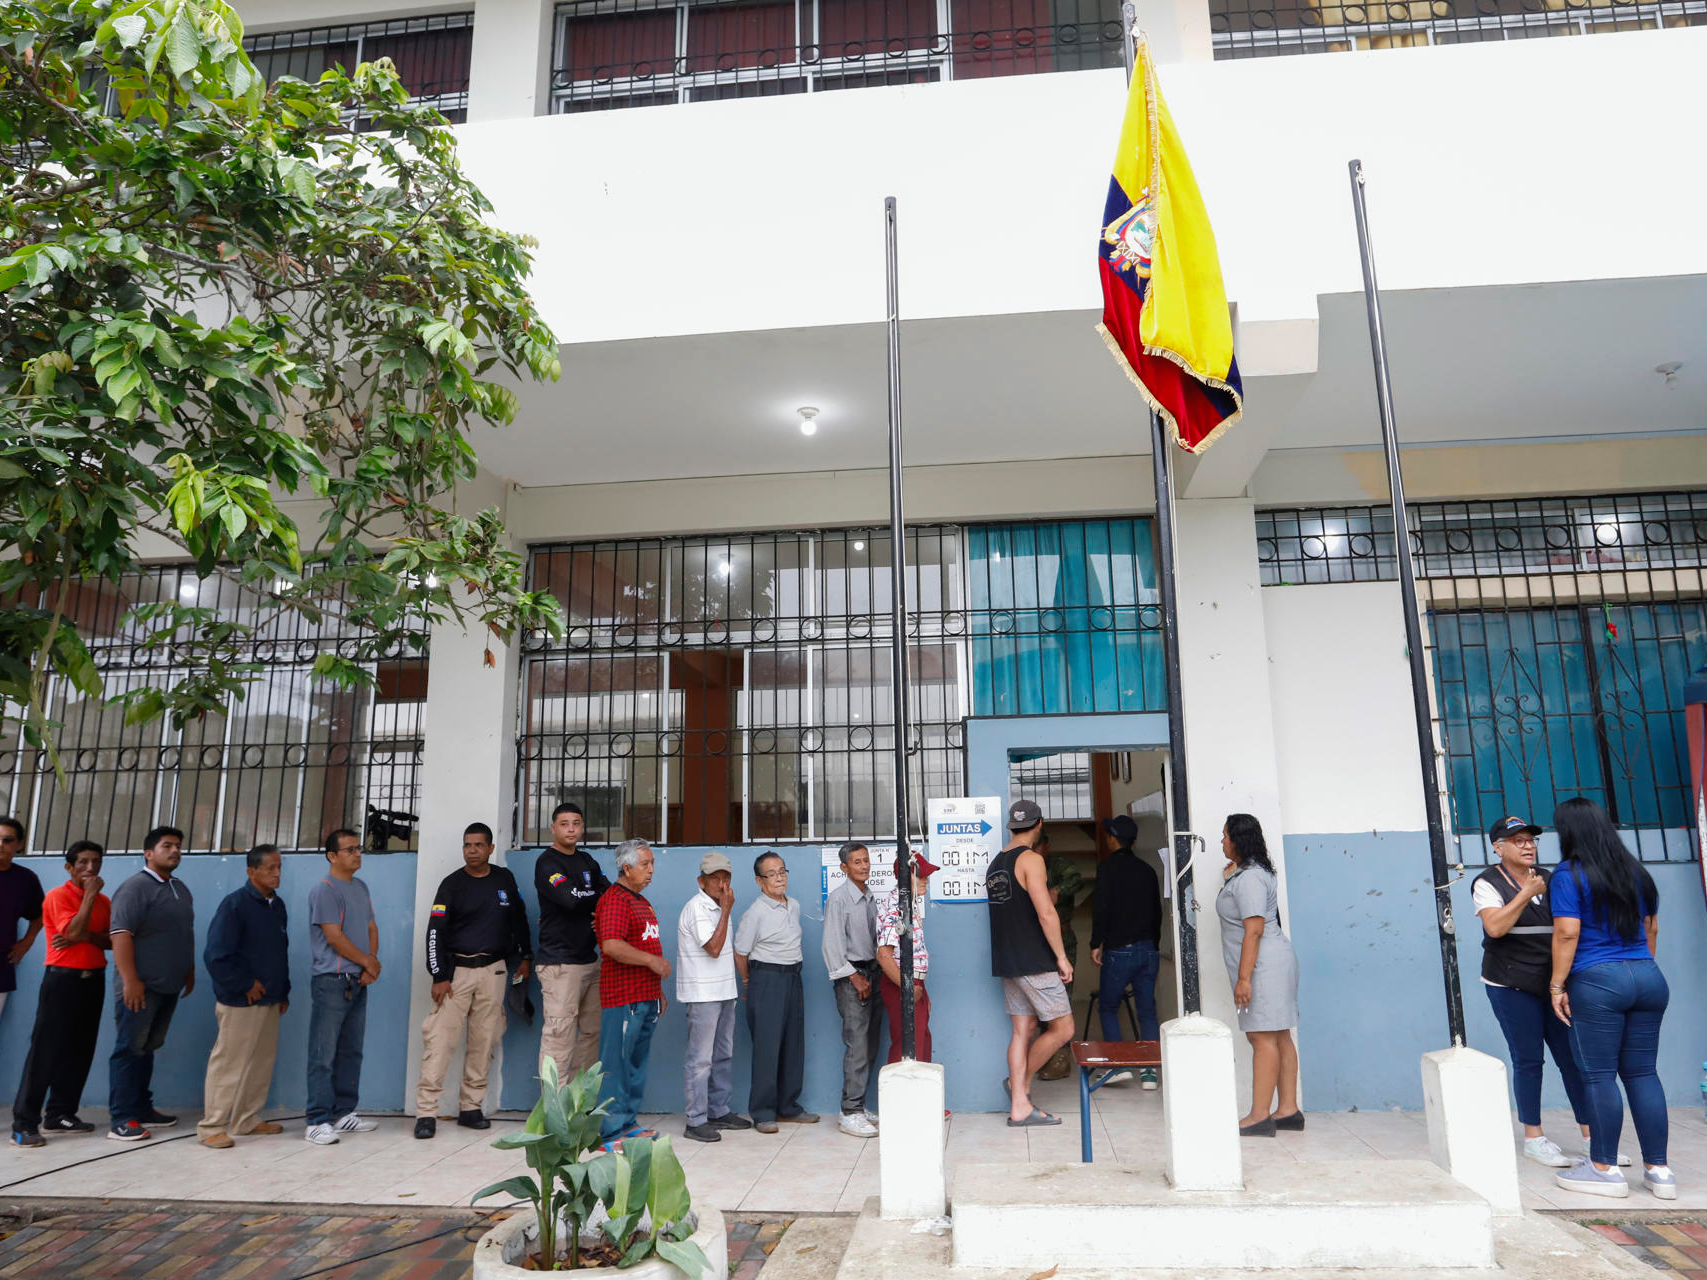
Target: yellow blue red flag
x,y
1164,313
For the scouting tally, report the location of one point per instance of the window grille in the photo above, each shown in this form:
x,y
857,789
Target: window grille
x,y
721,690
1561,631
291,760
431,55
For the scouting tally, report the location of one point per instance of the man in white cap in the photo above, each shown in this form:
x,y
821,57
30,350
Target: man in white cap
x,y
706,988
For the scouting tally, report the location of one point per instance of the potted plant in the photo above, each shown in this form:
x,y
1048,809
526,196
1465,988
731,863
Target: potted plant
x,y
627,1210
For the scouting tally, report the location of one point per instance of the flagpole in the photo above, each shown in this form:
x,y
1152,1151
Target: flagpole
x,y
1161,467
898,625
1413,624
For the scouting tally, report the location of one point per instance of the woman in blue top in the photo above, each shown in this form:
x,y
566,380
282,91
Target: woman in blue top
x,y
1608,990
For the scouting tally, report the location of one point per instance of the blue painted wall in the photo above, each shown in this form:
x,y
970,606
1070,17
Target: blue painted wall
x,y
1371,1000
180,1068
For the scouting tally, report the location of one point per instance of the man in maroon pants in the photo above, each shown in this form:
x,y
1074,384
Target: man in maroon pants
x,y
889,957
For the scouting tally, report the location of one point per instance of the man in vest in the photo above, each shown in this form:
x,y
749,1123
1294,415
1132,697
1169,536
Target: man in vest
x,y
1028,954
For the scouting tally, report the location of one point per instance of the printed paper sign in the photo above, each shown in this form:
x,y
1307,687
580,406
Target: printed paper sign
x,y
965,833
882,870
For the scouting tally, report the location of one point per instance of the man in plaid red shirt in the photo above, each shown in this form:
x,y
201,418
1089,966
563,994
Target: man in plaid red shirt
x,y
630,990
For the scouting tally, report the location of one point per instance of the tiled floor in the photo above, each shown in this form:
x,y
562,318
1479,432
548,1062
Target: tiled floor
x,y
1666,1246
802,1169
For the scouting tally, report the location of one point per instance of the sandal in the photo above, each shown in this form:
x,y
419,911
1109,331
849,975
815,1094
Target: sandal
x,y
1036,1120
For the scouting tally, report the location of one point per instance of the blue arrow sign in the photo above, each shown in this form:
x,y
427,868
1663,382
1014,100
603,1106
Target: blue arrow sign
x,y
979,828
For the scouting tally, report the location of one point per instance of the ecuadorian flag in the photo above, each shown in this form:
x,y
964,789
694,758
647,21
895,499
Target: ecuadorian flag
x,y
1164,313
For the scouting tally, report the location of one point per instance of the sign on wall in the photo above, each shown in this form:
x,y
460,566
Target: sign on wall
x,y
882,869
965,832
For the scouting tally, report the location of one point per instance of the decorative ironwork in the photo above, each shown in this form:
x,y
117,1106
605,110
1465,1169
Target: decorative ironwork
x,y
1561,631
636,53
719,690
293,759
431,55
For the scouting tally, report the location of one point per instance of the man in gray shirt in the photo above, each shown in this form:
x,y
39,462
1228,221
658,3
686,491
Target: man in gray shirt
x,y
154,950
344,940
850,958
767,958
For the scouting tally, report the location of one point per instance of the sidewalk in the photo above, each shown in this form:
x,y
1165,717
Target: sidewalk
x,y
802,1169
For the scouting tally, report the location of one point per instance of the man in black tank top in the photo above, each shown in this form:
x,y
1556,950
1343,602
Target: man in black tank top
x,y
1027,954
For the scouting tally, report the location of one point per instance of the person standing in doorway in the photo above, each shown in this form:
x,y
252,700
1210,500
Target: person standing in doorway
x,y
76,917
20,902
889,957
768,958
850,959
706,988
477,927
1263,971
340,920
1029,955
248,961
1126,932
569,884
631,991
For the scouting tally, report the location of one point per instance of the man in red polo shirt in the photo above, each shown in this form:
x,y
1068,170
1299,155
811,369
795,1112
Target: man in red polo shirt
x,y
75,917
630,990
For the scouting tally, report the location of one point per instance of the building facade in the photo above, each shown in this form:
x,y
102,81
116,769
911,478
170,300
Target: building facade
x,y
711,254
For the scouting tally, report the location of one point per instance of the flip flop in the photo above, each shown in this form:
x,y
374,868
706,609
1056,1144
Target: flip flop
x,y
1036,1120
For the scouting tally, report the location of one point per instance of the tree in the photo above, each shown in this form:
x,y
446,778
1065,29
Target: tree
x,y
217,294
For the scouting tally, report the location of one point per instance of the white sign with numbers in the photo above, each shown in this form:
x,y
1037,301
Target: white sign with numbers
x,y
964,833
882,870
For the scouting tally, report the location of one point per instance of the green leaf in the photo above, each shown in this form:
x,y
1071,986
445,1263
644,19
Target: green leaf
x,y
685,1256
638,1250
667,1193
183,44
130,29
10,470
525,1188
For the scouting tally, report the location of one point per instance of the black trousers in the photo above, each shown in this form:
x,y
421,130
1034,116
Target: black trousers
x,y
776,1019
62,1045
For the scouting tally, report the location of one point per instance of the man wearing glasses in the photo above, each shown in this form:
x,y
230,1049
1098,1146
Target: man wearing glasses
x,y
767,958
20,900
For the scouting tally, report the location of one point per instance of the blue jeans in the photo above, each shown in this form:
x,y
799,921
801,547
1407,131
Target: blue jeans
x,y
1530,1025
625,1047
337,1025
130,1070
1134,965
1616,1010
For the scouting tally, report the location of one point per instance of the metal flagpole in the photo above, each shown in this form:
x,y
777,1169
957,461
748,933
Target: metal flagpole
x,y
1186,898
1413,623
898,624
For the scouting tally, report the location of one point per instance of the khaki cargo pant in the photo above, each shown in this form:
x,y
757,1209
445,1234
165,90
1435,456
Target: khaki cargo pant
x,y
475,1004
570,993
240,1069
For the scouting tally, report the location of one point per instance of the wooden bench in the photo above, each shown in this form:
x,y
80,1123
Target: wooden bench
x,y
1106,1055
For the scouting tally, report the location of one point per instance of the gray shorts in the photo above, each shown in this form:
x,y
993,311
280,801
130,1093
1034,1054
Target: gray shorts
x,y
1042,995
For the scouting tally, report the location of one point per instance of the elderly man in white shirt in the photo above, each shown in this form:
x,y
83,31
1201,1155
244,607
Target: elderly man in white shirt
x,y
706,988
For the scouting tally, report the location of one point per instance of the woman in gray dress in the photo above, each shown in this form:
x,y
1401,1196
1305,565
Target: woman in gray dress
x,y
1264,973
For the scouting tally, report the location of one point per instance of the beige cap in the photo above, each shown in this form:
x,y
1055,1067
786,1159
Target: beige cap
x,y
712,863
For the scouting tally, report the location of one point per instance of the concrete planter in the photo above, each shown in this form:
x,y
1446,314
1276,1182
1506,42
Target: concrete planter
x,y
499,1254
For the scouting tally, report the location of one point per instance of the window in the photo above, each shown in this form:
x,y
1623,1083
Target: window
x,y
738,689
291,760
431,55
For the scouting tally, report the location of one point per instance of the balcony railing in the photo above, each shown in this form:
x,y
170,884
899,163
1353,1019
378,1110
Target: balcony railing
x,y
1267,28
431,55
634,53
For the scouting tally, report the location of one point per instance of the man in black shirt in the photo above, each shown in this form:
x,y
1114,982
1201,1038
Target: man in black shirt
x,y
1126,925
568,883
477,925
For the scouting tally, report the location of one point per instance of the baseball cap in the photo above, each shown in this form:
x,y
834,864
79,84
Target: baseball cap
x,y
712,863
923,865
1506,828
1023,814
1122,828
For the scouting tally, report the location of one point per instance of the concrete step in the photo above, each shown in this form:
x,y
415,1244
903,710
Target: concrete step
x,y
811,1249
1376,1214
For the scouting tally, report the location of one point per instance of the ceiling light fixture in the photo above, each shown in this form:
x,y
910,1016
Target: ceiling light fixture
x,y
723,568
808,419
859,546
1668,371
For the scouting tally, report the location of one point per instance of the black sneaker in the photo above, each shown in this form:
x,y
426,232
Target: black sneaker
x,y
475,1119
155,1120
30,1138
729,1120
129,1131
426,1127
706,1132
67,1124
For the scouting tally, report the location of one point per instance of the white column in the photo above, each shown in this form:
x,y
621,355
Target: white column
x,y
509,71
911,1164
1200,1106
1469,1124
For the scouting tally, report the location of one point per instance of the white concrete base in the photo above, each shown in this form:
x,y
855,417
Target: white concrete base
x,y
912,1164
501,1250
1469,1123
1347,1213
1200,1106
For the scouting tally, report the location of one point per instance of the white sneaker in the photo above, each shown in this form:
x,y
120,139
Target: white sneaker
x,y
1545,1151
1661,1181
871,1118
321,1135
1115,1075
353,1123
1623,1160
857,1126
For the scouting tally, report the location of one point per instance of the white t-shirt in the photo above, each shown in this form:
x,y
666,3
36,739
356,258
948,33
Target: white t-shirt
x,y
1482,896
701,976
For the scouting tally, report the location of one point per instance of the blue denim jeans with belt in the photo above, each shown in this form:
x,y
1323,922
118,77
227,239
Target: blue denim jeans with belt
x,y
337,1026
1616,1010
1134,965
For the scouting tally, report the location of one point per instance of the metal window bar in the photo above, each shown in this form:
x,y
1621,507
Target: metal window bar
x,y
1561,631
716,688
1261,28
290,760
432,54
632,53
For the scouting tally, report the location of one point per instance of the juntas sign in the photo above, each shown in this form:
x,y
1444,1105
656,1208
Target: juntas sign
x,y
965,832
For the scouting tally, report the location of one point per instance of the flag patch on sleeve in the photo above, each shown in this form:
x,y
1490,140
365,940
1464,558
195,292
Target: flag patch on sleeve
x,y
438,911
556,877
